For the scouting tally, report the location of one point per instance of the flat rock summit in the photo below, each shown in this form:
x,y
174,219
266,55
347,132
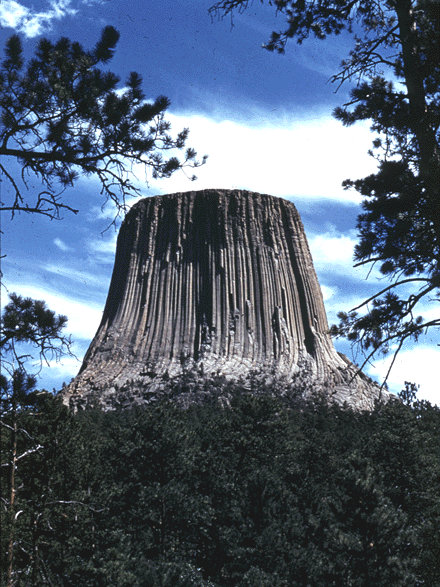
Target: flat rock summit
x,y
213,286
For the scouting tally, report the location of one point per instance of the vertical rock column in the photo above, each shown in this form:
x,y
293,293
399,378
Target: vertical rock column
x,y
215,280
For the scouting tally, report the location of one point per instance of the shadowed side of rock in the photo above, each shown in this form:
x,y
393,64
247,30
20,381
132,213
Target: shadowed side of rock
x,y
219,284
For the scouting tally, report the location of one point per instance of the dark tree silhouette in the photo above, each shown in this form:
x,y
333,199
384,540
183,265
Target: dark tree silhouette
x,y
31,323
62,117
26,325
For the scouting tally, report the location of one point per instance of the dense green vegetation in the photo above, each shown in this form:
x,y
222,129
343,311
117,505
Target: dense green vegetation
x,y
264,493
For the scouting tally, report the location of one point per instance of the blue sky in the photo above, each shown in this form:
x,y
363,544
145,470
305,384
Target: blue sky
x,y
263,119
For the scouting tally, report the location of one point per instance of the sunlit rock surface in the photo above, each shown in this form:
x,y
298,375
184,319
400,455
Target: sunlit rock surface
x,y
213,285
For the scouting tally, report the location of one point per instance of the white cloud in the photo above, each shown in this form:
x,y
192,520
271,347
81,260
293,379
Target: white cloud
x,y
30,22
285,156
104,246
333,251
417,365
328,292
62,245
12,13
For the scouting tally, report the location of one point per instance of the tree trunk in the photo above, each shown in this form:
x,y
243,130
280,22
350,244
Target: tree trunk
x,y
424,131
12,499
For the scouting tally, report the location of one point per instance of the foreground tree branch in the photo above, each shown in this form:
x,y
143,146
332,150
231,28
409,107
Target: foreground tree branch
x,y
29,322
63,118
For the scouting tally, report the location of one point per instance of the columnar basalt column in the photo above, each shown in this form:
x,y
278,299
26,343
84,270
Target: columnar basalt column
x,y
220,283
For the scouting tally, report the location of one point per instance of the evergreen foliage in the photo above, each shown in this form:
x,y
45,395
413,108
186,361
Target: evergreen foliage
x,y
62,117
29,423
30,322
252,495
395,68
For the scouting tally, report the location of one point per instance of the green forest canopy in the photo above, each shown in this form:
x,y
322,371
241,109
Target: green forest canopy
x,y
259,494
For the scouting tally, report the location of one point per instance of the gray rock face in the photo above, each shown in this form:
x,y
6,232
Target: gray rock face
x,y
219,284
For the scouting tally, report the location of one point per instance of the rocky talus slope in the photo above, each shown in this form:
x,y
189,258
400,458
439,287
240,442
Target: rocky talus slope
x,y
209,286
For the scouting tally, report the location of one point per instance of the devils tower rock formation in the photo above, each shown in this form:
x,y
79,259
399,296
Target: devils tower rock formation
x,y
220,284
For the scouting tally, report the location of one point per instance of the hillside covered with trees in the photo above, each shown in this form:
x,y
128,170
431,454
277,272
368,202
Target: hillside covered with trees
x,y
266,492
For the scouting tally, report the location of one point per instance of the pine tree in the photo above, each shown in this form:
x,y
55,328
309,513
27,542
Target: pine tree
x,y
27,322
27,325
62,117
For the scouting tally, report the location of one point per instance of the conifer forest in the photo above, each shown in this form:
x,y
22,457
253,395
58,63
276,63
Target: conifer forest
x,y
264,492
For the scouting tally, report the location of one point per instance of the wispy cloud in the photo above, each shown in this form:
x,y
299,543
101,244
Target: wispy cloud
x,y
62,246
77,275
31,22
102,249
310,54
